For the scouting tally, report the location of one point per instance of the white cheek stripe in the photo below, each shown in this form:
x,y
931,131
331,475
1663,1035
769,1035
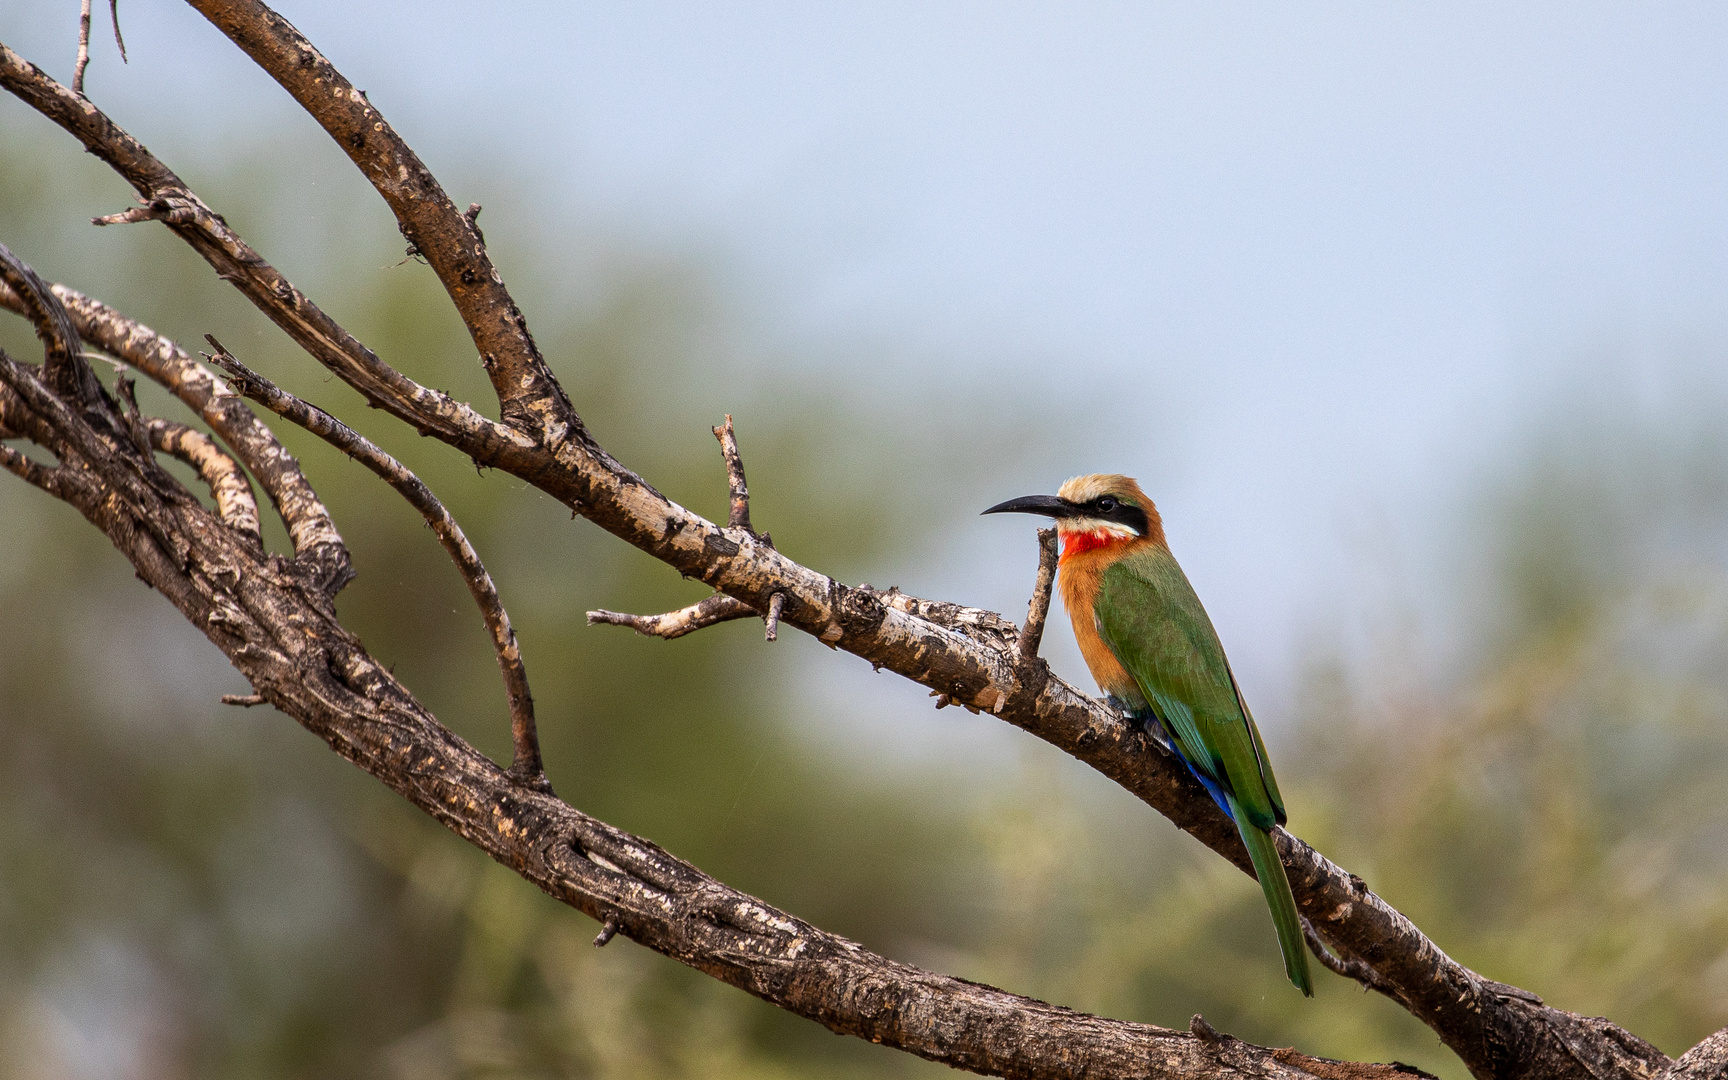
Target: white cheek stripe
x,y
1095,525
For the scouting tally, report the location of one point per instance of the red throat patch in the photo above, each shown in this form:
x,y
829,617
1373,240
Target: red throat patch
x,y
1078,543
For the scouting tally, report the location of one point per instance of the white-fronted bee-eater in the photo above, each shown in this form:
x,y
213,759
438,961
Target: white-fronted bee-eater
x,y
1154,653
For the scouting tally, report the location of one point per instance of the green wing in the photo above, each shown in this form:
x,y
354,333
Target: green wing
x,y
1150,617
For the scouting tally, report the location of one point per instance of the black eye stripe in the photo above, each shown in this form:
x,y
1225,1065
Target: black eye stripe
x,y
1111,508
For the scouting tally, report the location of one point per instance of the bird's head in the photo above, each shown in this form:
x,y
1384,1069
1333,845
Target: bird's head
x,y
1096,511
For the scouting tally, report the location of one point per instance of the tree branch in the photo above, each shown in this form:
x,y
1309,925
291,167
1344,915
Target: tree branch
x,y
704,613
228,483
526,765
317,544
83,47
527,393
738,490
970,664
286,641
169,200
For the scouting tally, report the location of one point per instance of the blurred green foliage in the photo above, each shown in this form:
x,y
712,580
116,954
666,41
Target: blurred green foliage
x,y
189,890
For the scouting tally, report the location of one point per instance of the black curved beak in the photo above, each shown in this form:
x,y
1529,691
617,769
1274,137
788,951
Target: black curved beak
x,y
1048,505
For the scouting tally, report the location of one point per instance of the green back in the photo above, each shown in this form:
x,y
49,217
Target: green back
x,y
1150,617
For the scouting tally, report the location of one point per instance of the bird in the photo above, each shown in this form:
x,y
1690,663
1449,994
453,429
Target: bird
x,y
1154,653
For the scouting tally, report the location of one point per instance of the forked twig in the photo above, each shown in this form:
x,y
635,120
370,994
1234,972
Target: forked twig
x,y
718,608
526,764
84,40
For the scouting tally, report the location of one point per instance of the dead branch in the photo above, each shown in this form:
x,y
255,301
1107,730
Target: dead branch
x,y
531,399
173,203
21,466
708,612
62,353
229,485
545,444
287,642
526,763
317,544
1032,634
771,621
738,490
83,47
119,42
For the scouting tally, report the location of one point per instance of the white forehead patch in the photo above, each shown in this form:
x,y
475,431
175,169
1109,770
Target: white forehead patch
x,y
1082,489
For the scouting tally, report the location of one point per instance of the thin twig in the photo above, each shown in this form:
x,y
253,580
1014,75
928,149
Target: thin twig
x,y
772,622
63,363
526,764
607,930
129,217
738,515
114,14
1032,634
133,415
715,609
83,48
1029,675
245,701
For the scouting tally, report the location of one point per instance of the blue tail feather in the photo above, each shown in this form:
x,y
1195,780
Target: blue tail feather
x,y
1148,720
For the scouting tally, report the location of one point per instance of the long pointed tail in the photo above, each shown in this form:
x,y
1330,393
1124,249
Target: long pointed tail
x,y
1276,886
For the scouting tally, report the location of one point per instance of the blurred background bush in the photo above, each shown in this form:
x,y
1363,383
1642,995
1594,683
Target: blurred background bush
x,y
1533,774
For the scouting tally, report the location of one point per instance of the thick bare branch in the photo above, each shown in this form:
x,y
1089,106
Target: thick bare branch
x,y
288,644
708,612
526,763
1494,1033
167,199
449,240
1706,1061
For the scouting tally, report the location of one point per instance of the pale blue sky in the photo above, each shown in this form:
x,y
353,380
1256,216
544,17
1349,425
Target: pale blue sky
x,y
1305,266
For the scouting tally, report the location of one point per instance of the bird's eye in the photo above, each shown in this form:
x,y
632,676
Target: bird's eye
x,y
1107,503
